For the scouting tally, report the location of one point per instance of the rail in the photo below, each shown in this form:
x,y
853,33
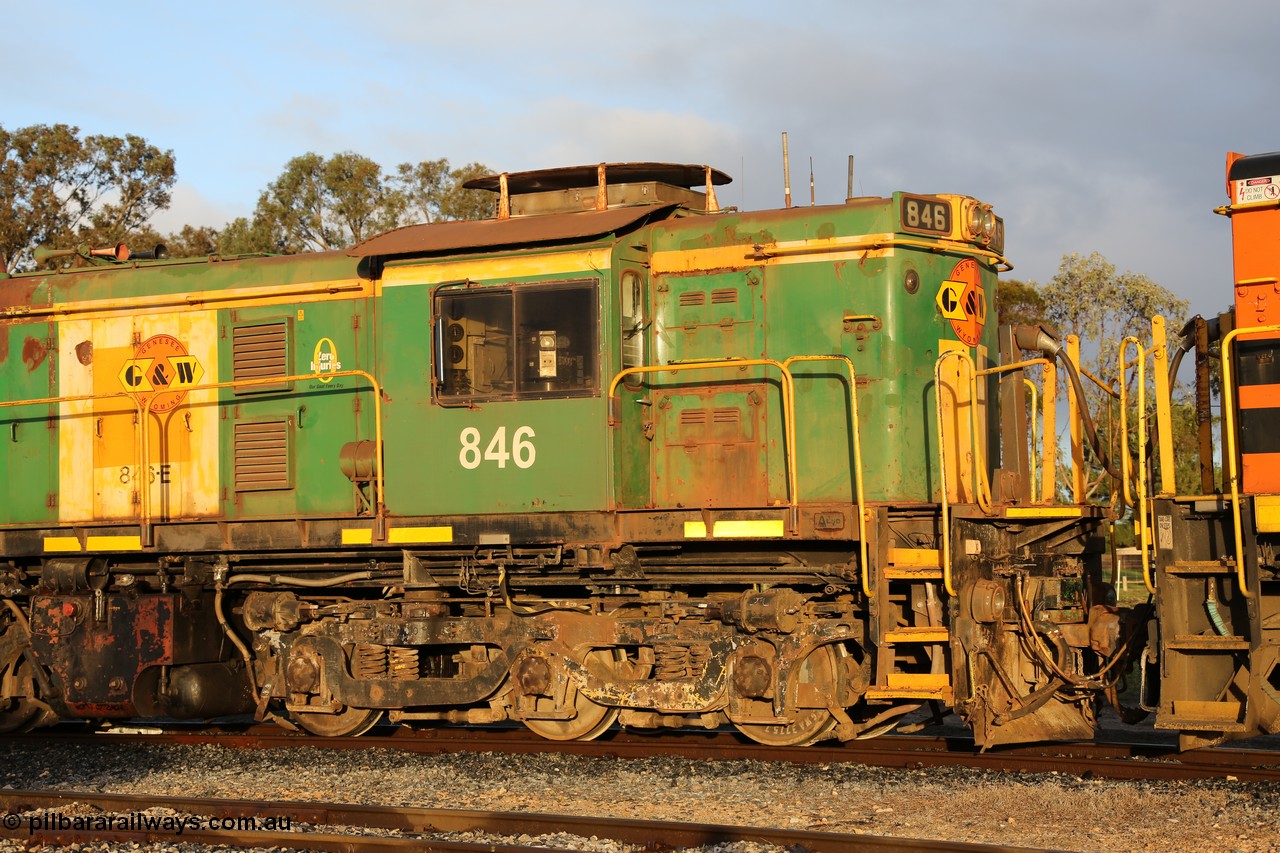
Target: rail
x,y
142,443
1233,474
788,402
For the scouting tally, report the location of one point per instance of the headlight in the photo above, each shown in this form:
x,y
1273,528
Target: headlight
x,y
988,224
981,222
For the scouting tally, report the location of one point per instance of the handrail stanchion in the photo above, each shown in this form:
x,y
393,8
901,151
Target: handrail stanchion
x,y
857,457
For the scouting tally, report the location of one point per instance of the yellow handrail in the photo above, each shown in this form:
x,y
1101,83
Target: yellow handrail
x,y
1075,426
857,456
1228,410
144,409
1050,417
944,504
788,400
1164,413
1140,507
379,487
1031,431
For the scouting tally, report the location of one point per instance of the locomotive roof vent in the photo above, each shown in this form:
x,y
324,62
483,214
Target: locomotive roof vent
x,y
600,187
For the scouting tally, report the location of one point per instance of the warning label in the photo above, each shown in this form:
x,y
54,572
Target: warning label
x,y
1255,190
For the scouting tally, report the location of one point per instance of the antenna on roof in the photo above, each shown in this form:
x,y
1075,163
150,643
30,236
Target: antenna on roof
x,y
786,170
812,197
848,196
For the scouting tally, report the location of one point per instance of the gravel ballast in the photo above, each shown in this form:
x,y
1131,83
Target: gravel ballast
x,y
1035,810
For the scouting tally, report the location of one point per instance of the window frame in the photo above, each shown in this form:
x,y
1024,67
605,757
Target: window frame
x,y
515,293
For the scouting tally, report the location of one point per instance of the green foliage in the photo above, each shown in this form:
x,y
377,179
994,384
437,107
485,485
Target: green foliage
x,y
1090,299
434,193
58,189
322,205
1019,303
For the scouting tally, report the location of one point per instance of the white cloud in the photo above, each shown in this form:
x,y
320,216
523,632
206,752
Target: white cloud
x,y
191,207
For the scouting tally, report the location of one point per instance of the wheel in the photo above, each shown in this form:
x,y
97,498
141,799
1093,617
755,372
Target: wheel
x,y
590,720
805,725
349,722
24,712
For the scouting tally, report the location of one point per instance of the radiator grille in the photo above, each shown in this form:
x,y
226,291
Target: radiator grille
x,y
262,456
259,352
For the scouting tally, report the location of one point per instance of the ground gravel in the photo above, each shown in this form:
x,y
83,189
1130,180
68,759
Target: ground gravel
x,y
1034,810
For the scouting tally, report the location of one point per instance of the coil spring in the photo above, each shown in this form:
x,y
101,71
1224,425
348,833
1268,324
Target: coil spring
x,y
369,661
671,661
402,663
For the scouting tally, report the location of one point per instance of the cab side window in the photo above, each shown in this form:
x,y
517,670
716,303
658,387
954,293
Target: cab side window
x,y
525,341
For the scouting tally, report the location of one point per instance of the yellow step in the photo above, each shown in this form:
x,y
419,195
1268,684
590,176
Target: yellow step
x,y
913,685
926,634
913,564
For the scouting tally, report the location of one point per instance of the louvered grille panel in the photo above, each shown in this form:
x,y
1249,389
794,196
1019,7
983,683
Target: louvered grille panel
x,y
724,296
262,456
693,297
693,417
259,352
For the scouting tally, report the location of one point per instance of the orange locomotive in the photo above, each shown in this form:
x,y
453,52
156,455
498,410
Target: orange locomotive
x,y
1218,554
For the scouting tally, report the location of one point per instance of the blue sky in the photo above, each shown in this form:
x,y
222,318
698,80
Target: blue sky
x,y
1095,125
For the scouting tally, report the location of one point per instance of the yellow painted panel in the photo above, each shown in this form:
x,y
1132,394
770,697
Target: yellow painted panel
x,y
357,536
1266,509
755,527
581,262
101,469
420,535
957,423
918,681
61,544
173,304
113,543
1043,512
787,252
927,634
928,557
736,528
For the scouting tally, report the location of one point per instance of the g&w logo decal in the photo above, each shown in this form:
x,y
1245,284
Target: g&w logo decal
x,y
962,300
161,371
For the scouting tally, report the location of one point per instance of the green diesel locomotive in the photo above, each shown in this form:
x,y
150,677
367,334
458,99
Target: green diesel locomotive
x,y
616,455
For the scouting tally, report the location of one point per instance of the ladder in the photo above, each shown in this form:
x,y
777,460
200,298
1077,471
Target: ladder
x,y
912,651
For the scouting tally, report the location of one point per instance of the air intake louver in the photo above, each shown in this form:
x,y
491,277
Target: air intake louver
x,y
262,456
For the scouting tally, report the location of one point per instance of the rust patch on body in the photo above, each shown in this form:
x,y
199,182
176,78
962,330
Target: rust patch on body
x,y
84,352
17,294
34,351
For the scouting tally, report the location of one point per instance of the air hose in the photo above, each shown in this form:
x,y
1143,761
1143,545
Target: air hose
x,y
1035,338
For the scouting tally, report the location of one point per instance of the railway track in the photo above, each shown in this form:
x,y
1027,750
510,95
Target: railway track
x,y
1122,761
50,817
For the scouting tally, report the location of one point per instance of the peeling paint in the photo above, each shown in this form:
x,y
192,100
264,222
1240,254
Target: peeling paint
x,y
34,351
